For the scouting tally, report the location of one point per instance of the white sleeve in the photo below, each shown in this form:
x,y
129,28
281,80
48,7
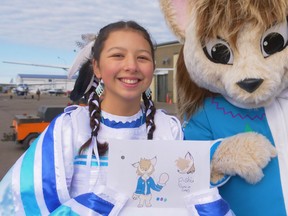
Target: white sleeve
x,y
67,148
176,128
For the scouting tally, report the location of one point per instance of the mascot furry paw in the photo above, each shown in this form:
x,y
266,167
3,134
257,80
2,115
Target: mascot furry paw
x,y
232,79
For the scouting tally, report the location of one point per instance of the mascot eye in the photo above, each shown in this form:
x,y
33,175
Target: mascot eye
x,y
218,51
274,39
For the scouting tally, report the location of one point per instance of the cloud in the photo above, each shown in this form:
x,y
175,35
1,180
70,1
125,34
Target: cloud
x,y
60,23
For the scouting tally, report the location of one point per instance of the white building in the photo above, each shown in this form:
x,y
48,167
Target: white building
x,y
44,82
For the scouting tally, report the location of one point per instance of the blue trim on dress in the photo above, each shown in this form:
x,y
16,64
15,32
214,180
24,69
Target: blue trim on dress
x,y
96,203
133,124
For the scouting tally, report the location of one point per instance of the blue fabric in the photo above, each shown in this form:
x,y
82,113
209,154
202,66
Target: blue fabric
x,y
96,203
64,210
92,163
48,169
133,124
219,119
213,149
144,187
27,182
217,208
81,160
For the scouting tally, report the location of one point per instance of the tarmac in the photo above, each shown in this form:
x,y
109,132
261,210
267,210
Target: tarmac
x,y
9,107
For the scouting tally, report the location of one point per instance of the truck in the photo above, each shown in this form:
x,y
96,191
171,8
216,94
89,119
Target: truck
x,y
26,128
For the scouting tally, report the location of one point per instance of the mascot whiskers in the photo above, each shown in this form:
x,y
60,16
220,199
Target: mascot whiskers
x,y
232,79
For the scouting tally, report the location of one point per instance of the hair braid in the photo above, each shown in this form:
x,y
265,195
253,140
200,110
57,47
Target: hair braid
x,y
95,119
150,112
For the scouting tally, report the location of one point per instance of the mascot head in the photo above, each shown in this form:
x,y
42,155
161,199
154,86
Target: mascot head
x,y
236,48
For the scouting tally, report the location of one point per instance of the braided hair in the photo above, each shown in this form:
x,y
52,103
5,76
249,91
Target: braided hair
x,y
94,102
150,112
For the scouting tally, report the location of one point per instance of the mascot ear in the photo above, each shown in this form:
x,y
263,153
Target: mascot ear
x,y
176,14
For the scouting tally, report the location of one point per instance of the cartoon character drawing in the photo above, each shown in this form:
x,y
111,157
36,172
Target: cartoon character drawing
x,y
185,165
145,169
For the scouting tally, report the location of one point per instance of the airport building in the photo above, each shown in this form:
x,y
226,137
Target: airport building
x,y
163,85
45,82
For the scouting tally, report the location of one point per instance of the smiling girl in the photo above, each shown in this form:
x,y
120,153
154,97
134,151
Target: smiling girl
x,y
64,171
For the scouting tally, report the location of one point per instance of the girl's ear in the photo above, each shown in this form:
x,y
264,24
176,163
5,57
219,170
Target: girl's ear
x,y
96,69
177,14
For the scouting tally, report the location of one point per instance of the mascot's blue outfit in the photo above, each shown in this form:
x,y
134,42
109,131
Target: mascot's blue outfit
x,y
214,121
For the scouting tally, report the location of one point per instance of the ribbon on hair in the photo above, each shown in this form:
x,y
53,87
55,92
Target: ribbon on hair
x,y
84,55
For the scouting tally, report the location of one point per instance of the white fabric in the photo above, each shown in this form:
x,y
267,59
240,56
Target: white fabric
x,y
167,128
277,115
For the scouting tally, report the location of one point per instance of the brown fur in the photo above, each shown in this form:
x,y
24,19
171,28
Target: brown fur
x,y
231,15
189,95
144,166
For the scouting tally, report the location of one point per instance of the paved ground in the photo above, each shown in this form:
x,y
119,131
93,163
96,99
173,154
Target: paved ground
x,y
9,151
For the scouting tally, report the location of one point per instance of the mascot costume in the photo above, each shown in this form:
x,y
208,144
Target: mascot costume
x,y
232,79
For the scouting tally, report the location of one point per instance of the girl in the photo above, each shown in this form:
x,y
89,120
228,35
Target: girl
x,y
64,171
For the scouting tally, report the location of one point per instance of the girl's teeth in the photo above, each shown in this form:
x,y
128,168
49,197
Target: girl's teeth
x,y
129,81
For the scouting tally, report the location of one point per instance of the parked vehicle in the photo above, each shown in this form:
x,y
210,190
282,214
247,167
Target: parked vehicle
x,y
26,128
56,92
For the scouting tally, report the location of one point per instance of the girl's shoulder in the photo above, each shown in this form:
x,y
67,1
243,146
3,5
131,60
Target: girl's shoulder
x,y
161,114
76,113
75,109
168,123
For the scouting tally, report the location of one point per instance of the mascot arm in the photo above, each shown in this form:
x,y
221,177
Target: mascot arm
x,y
244,154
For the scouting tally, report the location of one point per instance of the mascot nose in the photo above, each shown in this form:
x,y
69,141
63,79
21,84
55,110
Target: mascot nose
x,y
250,85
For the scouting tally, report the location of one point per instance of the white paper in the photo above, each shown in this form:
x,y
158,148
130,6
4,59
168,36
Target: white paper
x,y
181,167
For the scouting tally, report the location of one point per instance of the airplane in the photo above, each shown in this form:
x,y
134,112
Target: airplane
x,y
21,89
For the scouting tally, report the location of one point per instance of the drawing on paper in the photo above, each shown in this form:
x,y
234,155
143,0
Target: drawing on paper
x,y
185,167
145,184
186,164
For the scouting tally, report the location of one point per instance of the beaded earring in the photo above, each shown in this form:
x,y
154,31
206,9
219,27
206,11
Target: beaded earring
x,y
100,88
148,93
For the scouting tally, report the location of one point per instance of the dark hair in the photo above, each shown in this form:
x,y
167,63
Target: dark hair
x,y
129,25
94,102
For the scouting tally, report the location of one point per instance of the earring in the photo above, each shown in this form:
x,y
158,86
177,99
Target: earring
x,y
148,93
100,88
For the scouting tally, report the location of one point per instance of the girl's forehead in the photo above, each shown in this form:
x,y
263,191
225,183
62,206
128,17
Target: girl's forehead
x,y
128,32
127,38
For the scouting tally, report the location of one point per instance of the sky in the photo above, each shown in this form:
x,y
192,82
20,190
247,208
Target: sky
x,y
46,31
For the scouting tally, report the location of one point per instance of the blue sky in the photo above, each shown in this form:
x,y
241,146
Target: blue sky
x,y
45,31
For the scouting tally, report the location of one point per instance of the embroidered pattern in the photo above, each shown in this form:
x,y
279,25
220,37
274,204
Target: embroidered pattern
x,y
235,115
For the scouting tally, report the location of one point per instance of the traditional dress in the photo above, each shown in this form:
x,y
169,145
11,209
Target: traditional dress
x,y
51,177
219,119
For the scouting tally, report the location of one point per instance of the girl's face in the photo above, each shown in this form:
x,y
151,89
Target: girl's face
x,y
125,66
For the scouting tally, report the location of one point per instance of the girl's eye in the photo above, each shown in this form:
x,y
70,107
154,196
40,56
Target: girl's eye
x,y
274,39
143,57
218,51
117,55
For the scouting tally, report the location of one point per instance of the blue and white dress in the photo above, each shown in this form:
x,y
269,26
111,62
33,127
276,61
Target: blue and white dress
x,y
52,178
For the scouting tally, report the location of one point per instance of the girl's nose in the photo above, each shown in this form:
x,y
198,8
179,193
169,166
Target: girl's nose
x,y
130,64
